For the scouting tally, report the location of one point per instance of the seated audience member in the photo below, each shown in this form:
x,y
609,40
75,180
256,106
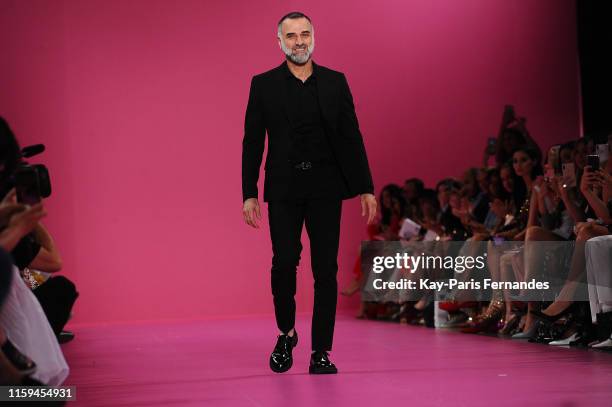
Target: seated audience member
x,y
386,227
500,208
459,208
450,226
553,222
412,190
36,252
429,208
591,184
21,318
476,215
598,260
477,203
392,212
526,168
422,310
515,204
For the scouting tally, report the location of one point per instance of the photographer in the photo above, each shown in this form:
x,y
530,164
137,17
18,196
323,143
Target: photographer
x,y
35,254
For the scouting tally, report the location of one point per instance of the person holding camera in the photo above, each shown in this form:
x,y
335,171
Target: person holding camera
x,y
35,254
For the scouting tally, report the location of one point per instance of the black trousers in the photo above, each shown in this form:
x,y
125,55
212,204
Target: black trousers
x,y
321,215
56,297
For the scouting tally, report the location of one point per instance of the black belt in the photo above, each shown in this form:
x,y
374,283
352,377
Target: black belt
x,y
304,165
307,165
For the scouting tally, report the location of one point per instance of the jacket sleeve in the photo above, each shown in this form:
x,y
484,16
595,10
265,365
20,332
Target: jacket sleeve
x,y
354,149
252,143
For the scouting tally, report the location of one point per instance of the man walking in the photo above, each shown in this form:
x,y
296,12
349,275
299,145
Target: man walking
x,y
316,158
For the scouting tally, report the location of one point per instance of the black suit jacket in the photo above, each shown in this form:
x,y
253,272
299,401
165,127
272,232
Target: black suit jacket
x,y
267,111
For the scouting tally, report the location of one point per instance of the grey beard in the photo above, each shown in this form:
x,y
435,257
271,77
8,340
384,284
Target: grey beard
x,y
298,59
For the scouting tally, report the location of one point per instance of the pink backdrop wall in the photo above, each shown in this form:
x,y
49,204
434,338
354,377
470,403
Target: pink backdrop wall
x,y
141,106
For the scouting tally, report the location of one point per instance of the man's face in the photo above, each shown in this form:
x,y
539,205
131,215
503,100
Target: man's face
x,y
297,40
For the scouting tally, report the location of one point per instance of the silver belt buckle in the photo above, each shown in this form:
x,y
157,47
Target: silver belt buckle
x,y
304,165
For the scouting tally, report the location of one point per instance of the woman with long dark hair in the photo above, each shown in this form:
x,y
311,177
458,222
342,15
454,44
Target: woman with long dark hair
x,y
526,167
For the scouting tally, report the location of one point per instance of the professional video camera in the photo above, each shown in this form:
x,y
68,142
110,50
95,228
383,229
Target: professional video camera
x,y
31,181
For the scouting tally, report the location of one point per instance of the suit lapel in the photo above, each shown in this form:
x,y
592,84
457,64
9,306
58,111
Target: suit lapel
x,y
324,92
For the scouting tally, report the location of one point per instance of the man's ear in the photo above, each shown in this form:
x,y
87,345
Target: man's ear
x,y
279,43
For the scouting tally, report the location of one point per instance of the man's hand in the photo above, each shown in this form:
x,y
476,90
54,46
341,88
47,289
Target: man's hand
x,y
250,211
368,205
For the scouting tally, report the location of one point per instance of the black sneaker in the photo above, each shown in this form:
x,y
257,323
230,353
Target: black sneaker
x,y
21,362
320,364
281,358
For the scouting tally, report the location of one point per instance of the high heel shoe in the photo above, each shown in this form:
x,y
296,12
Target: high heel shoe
x,y
408,314
607,344
528,333
511,325
552,318
604,332
566,342
388,311
489,321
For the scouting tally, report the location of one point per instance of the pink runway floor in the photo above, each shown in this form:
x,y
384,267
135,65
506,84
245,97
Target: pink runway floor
x,y
225,363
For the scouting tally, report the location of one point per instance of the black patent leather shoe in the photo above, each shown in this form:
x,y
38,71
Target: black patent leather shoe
x,y
552,318
281,358
320,364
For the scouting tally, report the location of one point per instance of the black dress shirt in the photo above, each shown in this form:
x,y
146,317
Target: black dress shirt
x,y
333,132
308,133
